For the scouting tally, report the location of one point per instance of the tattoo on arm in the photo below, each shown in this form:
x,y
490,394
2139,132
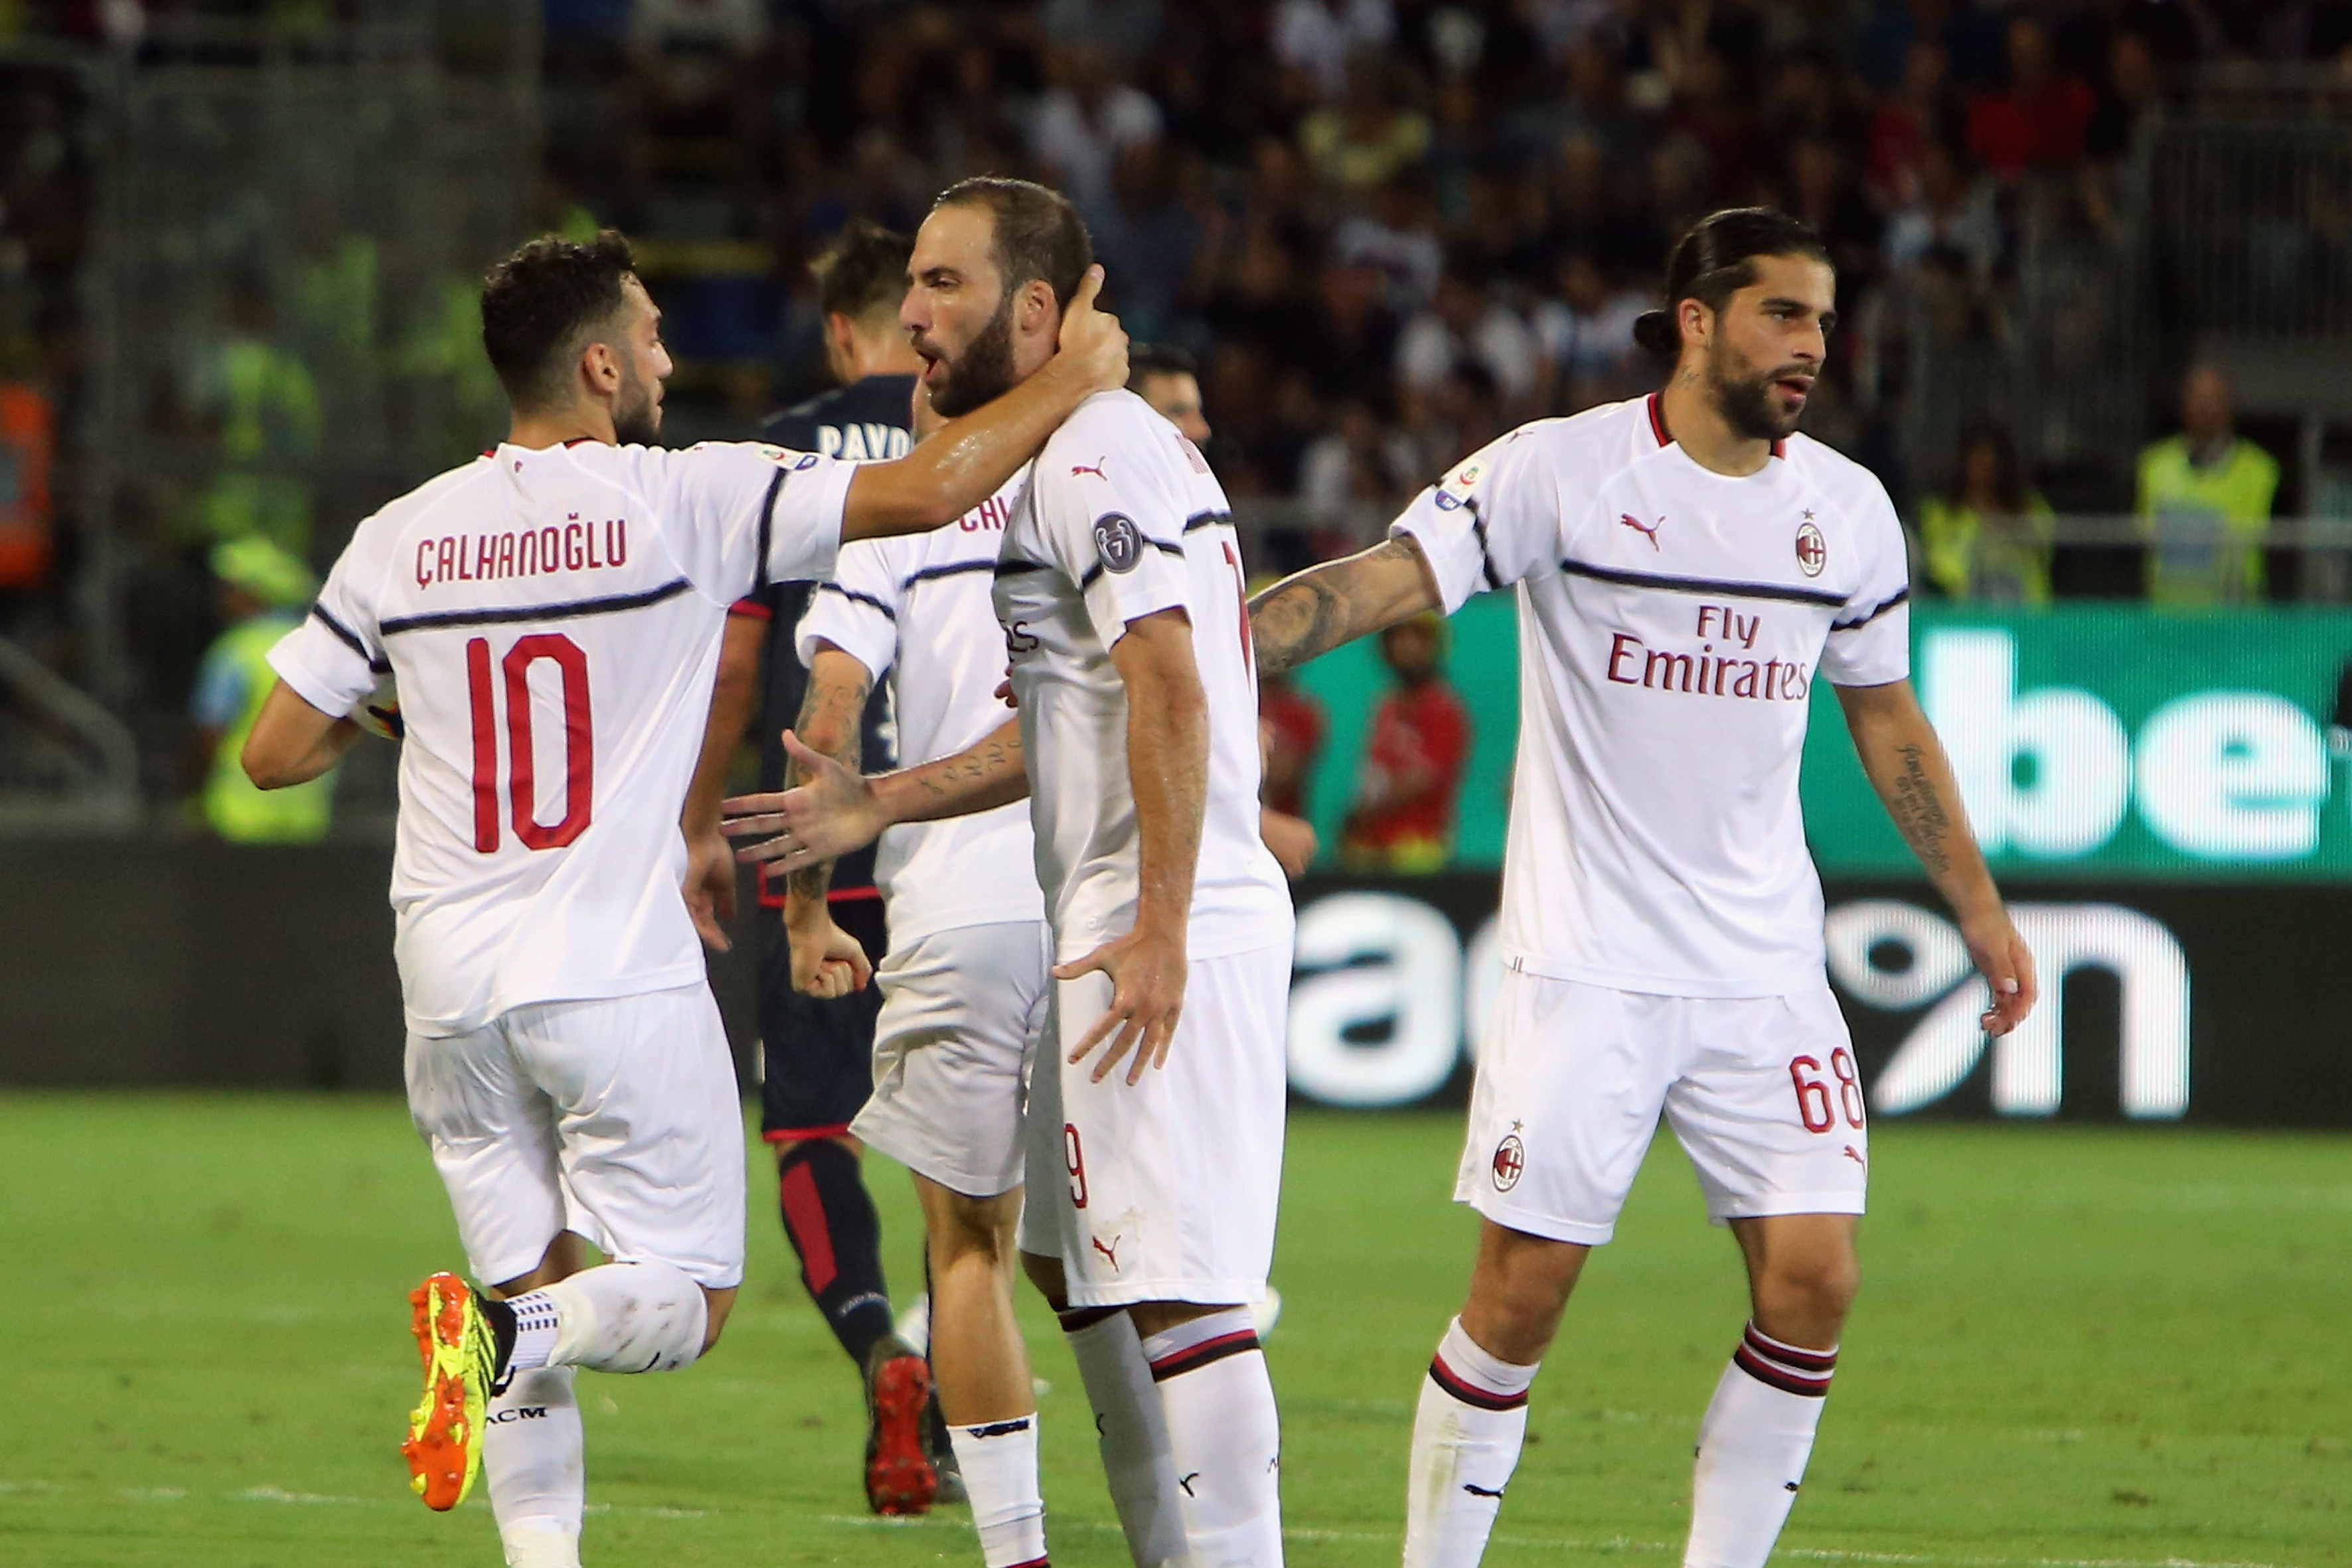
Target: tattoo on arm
x,y
1919,814
992,758
841,705
1309,613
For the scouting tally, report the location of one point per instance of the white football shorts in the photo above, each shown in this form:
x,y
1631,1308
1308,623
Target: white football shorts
x,y
616,1118
1761,1090
1165,1190
962,1010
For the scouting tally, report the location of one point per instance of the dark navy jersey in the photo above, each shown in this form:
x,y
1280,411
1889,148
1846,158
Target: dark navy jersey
x,y
866,419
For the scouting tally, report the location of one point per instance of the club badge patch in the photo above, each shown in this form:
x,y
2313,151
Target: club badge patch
x,y
1510,1159
1812,550
1118,540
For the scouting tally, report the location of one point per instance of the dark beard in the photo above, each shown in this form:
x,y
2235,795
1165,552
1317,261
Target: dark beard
x,y
637,418
1747,405
982,372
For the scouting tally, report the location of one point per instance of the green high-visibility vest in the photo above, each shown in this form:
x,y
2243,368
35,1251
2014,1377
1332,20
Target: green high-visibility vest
x,y
235,809
2205,526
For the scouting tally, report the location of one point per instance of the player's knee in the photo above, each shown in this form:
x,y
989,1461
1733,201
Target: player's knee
x,y
1816,1291
716,1305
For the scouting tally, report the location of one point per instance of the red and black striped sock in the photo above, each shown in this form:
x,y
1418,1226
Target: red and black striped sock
x,y
1753,1448
833,1225
1466,1435
1223,1435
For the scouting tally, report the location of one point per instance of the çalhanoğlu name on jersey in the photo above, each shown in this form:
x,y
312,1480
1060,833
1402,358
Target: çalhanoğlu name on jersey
x,y
552,618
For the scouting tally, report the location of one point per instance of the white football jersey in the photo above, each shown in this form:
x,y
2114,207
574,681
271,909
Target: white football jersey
x,y
1123,519
553,618
1672,621
918,608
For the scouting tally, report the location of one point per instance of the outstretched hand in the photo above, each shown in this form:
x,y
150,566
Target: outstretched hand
x,y
1147,997
832,812
2007,964
1092,340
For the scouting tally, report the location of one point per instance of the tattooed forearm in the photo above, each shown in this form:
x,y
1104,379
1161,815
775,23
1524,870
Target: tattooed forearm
x,y
1919,814
991,760
832,721
1310,612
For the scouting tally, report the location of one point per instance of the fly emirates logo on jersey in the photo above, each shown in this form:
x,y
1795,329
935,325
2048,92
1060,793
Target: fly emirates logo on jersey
x,y
1719,660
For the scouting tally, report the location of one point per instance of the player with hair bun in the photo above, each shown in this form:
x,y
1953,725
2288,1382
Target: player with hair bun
x,y
1687,565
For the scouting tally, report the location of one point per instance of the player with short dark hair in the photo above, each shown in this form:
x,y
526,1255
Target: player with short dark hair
x,y
1154,1120
552,614
1687,566
817,1051
1169,379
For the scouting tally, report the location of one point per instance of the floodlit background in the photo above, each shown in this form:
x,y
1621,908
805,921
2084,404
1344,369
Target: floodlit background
x,y
2095,279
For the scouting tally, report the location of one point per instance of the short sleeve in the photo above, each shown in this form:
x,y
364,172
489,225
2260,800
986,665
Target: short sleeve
x,y
333,658
1490,521
1116,525
754,514
1870,640
857,612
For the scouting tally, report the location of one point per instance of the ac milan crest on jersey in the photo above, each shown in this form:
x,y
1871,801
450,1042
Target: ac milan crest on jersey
x,y
1813,551
1510,1159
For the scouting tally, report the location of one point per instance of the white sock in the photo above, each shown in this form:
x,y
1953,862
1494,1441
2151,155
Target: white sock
x,y
531,1459
620,1316
1752,1449
1224,1436
1467,1435
1132,1432
999,1461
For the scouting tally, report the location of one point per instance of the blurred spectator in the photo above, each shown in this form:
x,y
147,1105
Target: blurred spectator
x,y
2040,117
1398,237
264,407
1293,725
27,448
1402,819
1945,214
1168,379
262,593
1584,335
1987,535
1084,121
1346,340
2205,501
1463,326
1147,238
1371,137
1317,37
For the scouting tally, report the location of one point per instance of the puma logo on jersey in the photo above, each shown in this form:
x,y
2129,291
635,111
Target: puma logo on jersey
x,y
1110,1252
1095,468
1854,1154
1648,531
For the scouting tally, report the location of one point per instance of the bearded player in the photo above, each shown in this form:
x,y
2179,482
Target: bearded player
x,y
1687,567
552,613
1155,1125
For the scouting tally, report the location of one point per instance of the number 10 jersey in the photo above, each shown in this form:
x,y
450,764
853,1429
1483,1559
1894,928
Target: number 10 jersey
x,y
552,619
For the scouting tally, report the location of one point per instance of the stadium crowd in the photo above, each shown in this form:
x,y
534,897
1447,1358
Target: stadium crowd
x,y
1385,230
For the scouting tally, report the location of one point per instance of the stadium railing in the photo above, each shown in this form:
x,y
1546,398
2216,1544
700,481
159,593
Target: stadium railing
x,y
66,762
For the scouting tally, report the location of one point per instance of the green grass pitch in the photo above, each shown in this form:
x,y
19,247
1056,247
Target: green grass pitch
x,y
2073,1347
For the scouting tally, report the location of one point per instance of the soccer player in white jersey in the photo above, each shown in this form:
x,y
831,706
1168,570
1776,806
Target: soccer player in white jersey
x,y
552,614
1687,567
963,986
1155,1127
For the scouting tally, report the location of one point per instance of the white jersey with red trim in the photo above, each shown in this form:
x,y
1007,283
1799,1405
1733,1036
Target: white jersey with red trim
x,y
918,608
553,618
1672,621
1122,519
